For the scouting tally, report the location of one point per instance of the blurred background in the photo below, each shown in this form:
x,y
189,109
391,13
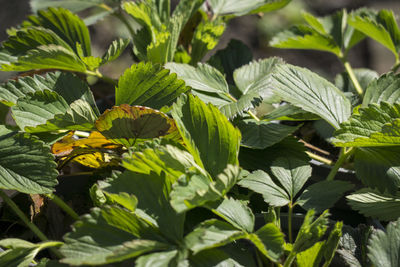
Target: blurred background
x,y
255,31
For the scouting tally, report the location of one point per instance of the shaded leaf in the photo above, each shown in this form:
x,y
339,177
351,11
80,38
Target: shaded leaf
x,y
269,240
383,89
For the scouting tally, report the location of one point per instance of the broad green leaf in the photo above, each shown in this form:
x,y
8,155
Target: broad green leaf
x,y
65,24
58,82
154,86
214,150
291,173
260,182
204,78
233,56
94,241
47,111
380,26
311,231
376,125
262,134
20,252
205,38
310,257
219,258
211,234
307,90
371,203
26,164
115,50
248,78
152,191
384,247
378,167
383,89
323,195
237,213
159,259
288,112
47,57
194,190
364,77
269,241
243,7
126,124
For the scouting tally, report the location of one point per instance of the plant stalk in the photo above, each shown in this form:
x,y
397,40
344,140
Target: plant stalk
x,y
396,66
319,158
344,155
290,215
289,259
59,202
102,77
352,76
27,222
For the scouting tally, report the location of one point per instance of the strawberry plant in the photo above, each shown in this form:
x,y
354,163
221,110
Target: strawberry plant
x,y
199,162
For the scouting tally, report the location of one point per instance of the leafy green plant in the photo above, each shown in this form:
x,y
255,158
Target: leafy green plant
x,y
191,167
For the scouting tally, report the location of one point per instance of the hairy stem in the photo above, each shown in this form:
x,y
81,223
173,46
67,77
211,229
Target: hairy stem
x,y
352,76
319,158
290,215
59,202
27,222
344,155
289,259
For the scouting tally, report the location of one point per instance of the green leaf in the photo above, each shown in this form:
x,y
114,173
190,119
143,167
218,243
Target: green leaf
x,y
260,182
383,89
291,173
383,247
307,90
94,241
26,164
65,24
371,203
252,76
376,125
214,150
204,78
288,112
236,213
47,111
47,57
233,56
311,231
323,195
269,240
205,38
194,190
227,7
159,259
262,134
380,26
73,5
310,257
21,252
116,48
152,191
126,124
211,234
154,86
378,168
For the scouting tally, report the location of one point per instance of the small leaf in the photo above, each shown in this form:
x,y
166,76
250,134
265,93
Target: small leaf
x,y
383,247
376,125
114,50
211,234
383,89
126,124
371,203
73,5
26,164
154,86
269,240
307,90
227,7
215,150
310,257
323,195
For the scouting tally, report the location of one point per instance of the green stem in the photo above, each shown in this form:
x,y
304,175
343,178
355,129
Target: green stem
x,y
352,76
344,155
319,158
102,77
63,206
396,66
289,259
290,215
28,223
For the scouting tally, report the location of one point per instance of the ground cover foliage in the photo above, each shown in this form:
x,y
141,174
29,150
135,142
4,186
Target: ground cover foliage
x,y
198,163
